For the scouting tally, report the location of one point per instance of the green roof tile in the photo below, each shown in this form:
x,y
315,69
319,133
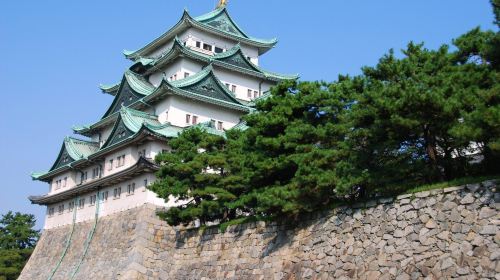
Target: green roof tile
x,y
218,21
232,59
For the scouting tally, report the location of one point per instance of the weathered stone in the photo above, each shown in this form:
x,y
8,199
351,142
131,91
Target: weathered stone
x,y
431,224
468,199
487,212
444,235
448,205
489,230
372,275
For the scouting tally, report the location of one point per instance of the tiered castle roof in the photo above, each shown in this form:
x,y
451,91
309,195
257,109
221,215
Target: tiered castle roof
x,y
135,94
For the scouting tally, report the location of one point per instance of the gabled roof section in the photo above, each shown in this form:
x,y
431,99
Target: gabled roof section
x,y
206,83
221,20
132,88
232,59
72,150
218,22
131,122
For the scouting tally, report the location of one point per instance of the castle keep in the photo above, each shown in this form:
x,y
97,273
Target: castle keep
x,y
202,72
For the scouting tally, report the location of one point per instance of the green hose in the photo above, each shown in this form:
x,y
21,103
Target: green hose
x,y
68,242
89,237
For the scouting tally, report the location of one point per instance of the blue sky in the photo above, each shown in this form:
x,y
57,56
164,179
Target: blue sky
x,y
56,53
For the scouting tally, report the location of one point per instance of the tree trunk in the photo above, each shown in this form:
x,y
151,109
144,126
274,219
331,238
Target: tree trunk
x,y
431,150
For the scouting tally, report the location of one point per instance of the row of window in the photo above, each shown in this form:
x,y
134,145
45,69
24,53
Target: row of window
x,y
174,76
118,162
93,199
232,88
250,93
255,93
209,47
61,183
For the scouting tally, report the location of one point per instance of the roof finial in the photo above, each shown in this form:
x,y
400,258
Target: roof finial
x,y
222,4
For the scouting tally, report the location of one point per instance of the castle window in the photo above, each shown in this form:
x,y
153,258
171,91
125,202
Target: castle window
x,y
255,94
65,182
188,118
195,119
219,126
131,189
186,74
51,211
120,161
81,203
198,44
207,47
61,209
249,94
227,85
117,192
95,172
233,88
104,196
145,182
84,176
93,199
110,165
212,123
71,206
218,50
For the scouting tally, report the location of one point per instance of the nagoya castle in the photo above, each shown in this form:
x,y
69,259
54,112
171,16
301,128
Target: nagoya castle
x,y
203,72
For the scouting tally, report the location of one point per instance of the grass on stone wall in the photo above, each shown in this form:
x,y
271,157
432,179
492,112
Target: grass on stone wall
x,y
335,204
452,183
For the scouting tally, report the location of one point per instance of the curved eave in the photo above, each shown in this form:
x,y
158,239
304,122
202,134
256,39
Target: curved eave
x,y
187,21
144,132
91,129
110,89
142,165
46,177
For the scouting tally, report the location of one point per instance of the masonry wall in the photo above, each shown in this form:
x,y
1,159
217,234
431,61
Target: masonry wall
x,y
450,233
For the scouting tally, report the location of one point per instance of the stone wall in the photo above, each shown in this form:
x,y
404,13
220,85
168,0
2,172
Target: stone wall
x,y
450,233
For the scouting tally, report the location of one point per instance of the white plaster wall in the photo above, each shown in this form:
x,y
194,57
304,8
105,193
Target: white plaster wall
x,y
178,107
161,49
178,67
70,183
174,67
192,35
106,207
131,157
243,83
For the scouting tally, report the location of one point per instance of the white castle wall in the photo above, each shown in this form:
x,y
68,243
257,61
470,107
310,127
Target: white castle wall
x,y
178,107
243,83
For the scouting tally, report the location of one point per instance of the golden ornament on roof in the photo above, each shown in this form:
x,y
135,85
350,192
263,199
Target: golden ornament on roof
x,y
222,3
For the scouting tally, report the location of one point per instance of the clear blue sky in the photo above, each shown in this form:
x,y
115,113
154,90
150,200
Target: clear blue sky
x,y
56,53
